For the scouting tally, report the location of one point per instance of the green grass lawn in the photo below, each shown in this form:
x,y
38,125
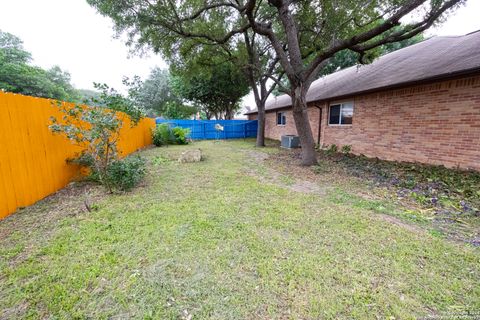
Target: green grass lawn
x,y
228,238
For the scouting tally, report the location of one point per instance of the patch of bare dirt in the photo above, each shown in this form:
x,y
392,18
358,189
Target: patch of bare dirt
x,y
398,222
267,168
283,168
331,171
257,156
307,187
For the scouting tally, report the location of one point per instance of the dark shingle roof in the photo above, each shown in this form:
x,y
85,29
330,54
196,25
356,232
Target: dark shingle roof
x,y
435,58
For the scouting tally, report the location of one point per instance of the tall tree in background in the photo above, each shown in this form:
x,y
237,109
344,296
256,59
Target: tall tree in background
x,y
156,94
12,49
87,96
61,79
250,53
303,34
17,75
211,81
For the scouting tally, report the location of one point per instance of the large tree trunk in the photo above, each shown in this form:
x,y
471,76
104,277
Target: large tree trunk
x,y
261,123
230,114
302,123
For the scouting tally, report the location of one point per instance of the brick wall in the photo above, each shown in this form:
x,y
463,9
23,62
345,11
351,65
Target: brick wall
x,y
274,131
438,123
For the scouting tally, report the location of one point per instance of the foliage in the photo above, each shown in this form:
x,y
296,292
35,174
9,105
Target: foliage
x,y
17,75
180,135
163,134
12,49
331,149
157,97
346,149
214,84
98,139
124,174
96,130
303,34
62,81
348,58
174,110
88,96
113,100
446,191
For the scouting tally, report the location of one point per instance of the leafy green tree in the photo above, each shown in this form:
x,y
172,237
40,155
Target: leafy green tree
x,y
157,96
215,86
18,76
178,110
62,83
157,91
12,49
303,34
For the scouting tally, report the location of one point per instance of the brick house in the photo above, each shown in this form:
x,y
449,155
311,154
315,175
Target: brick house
x,y
417,104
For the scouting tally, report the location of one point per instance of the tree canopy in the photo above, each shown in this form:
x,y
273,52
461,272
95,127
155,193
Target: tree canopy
x,y
304,35
348,58
17,75
157,96
212,82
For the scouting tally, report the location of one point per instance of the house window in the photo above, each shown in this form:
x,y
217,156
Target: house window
x,y
341,114
281,119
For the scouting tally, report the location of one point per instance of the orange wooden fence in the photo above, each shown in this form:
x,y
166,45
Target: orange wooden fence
x,y
33,160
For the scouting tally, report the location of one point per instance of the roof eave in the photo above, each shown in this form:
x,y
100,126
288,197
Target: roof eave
x,y
441,77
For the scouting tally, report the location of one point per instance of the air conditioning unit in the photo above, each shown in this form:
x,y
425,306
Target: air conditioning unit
x,y
290,141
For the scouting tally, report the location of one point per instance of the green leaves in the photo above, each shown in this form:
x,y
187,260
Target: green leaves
x,y
115,101
97,129
158,97
18,76
212,81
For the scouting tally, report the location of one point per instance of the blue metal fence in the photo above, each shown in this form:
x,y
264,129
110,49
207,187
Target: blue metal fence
x,y
205,129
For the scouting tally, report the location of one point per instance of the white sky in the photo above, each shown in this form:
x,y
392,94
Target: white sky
x,y
70,33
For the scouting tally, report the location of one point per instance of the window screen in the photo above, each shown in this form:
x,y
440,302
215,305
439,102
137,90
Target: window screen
x,y
341,114
281,118
335,114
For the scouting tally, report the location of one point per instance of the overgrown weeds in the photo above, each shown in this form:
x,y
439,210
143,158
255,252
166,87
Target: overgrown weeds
x,y
449,195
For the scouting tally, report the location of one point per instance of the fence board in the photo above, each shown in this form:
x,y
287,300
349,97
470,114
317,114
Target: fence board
x,y
33,160
205,129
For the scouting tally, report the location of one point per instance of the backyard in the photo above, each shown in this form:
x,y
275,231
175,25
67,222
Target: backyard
x,y
243,234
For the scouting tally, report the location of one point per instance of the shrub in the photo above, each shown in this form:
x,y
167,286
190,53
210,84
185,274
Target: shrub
x,y
180,135
96,129
124,174
331,150
164,135
346,149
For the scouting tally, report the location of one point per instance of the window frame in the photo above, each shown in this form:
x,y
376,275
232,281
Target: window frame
x,y
340,103
284,116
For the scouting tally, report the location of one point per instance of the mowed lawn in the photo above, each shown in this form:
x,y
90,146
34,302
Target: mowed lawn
x,y
227,238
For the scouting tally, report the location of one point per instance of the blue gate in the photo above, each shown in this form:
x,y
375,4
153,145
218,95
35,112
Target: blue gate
x,y
205,129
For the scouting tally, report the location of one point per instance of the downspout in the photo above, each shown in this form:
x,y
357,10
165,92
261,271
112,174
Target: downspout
x,y
319,124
